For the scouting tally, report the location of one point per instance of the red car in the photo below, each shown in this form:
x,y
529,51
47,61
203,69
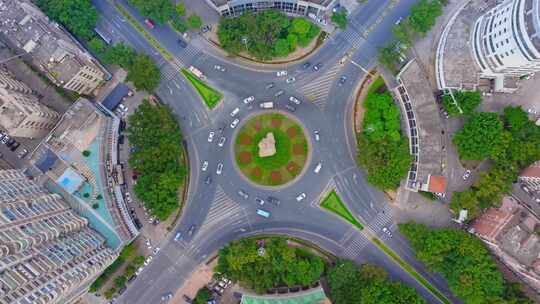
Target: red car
x,y
149,23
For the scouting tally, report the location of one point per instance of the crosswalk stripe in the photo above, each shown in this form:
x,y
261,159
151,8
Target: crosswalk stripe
x,y
353,249
318,89
223,207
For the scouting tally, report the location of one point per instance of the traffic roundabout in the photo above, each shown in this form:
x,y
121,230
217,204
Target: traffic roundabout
x,y
271,149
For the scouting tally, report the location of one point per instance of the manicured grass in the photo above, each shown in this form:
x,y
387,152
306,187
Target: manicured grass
x,y
411,271
333,203
379,82
291,149
210,95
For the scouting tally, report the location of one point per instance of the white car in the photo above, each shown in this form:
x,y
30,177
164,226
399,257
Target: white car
x,y
294,100
318,168
204,166
387,231
300,197
317,135
221,141
123,108
139,270
281,73
235,112
249,99
156,250
219,169
234,123
219,68
211,136
467,174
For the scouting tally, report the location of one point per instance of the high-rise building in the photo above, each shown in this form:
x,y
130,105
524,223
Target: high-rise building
x,y
50,48
506,40
48,254
21,112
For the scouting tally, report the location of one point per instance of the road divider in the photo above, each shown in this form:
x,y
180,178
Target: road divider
x,y
210,96
410,270
145,34
333,203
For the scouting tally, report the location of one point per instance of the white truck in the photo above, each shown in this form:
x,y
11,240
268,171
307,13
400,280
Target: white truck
x,y
267,105
197,72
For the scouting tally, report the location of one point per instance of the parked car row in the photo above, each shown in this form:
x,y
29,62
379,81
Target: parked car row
x,y
12,145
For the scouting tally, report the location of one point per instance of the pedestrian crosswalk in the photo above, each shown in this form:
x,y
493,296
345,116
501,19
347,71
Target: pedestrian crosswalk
x,y
382,219
352,36
318,89
353,246
223,209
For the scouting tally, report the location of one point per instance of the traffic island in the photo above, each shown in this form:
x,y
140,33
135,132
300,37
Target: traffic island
x,y
210,96
333,203
271,149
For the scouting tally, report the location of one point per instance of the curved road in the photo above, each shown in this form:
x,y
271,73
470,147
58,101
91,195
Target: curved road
x,y
219,213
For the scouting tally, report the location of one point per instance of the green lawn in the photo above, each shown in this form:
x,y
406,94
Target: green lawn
x,y
379,82
333,203
210,95
411,271
291,149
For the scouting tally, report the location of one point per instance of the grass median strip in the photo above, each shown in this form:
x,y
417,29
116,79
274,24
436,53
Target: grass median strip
x,y
411,271
210,95
141,29
333,203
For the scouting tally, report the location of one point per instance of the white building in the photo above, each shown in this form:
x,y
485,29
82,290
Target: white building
x,y
506,41
296,7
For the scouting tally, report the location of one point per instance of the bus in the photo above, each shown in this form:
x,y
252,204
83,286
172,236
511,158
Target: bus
x,y
263,213
103,36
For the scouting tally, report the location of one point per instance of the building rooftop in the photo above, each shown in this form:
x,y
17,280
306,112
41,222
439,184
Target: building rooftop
x,y
531,171
437,184
52,49
491,223
314,296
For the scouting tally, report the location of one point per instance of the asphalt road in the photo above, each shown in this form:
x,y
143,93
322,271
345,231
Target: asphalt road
x,y
217,211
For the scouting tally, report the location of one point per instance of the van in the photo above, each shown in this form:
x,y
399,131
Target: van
x,y
266,105
263,213
235,112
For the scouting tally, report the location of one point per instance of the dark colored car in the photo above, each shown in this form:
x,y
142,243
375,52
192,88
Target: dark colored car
x,y
342,80
208,180
191,230
10,142
182,43
306,65
206,28
273,200
14,146
290,108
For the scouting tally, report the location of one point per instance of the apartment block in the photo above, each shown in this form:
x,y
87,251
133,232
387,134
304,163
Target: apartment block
x,y
48,47
48,254
22,114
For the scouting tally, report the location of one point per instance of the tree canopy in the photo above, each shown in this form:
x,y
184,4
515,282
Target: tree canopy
x,y
78,16
158,10
340,19
194,21
144,73
265,35
462,260
468,101
382,150
424,14
479,135
367,284
154,133
280,265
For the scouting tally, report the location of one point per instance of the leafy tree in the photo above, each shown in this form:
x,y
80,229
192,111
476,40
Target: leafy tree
x,y
95,205
292,39
179,25
86,195
121,55
280,264
128,251
282,47
203,296
368,283
180,9
120,282
109,293
403,32
97,46
130,270
138,261
99,196
515,118
86,153
468,101
155,133
158,10
340,19
144,73
459,257
389,57
78,16
466,200
424,14
194,21
300,26
479,135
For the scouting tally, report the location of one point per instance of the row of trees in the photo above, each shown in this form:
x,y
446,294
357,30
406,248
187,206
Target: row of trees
x,y
367,284
163,11
511,142
279,265
382,149
266,34
80,17
464,262
467,101
158,157
423,16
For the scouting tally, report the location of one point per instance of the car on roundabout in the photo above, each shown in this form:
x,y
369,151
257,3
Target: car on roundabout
x,y
300,197
234,123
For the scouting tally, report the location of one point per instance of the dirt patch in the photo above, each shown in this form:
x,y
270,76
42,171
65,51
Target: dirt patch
x,y
298,149
292,131
256,173
245,139
276,122
293,168
244,158
275,177
257,125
